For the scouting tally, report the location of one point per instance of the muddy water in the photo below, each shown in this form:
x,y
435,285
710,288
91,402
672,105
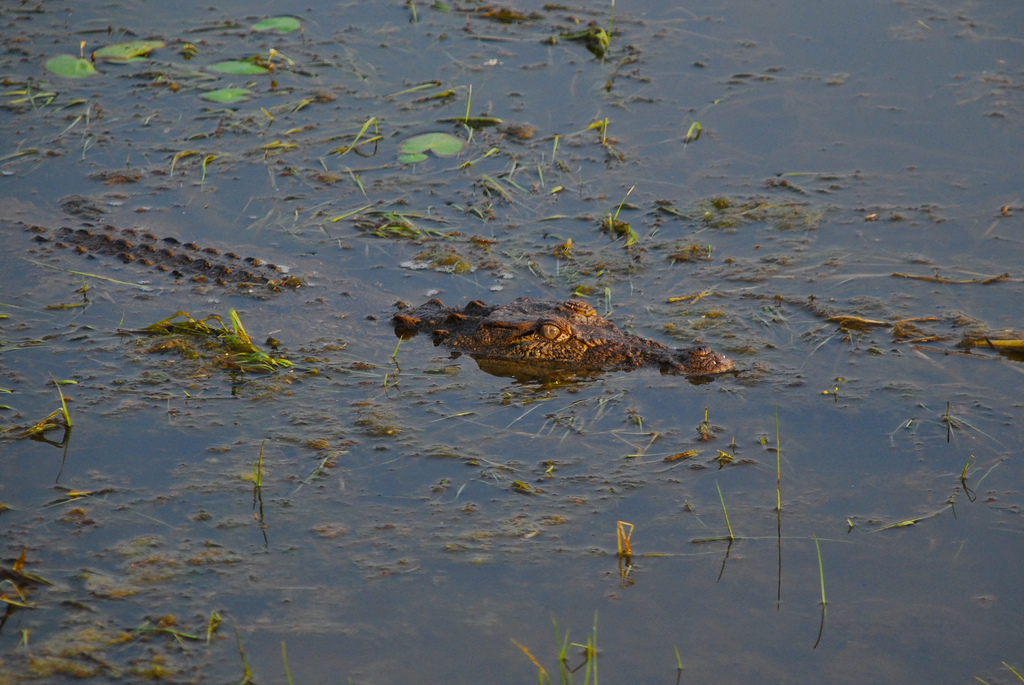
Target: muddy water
x,y
840,225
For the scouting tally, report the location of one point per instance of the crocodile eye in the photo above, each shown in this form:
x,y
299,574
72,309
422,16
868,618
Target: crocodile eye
x,y
550,331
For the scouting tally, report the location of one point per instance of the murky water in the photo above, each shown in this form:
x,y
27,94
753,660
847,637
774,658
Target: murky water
x,y
416,521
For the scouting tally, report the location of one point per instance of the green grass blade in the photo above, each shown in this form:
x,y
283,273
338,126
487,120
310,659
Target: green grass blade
x,y
726,513
821,570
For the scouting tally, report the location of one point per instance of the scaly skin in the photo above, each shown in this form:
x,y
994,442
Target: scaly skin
x,y
530,333
182,260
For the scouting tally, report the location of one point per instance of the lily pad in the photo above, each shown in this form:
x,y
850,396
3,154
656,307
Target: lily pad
x,y
227,95
441,144
122,52
70,66
279,24
238,67
411,158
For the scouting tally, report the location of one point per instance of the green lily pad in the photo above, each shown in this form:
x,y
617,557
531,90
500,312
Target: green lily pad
x,y
122,52
70,66
238,67
441,144
227,95
279,24
411,158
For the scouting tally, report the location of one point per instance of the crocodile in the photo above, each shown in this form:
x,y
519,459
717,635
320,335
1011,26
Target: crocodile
x,y
532,338
179,259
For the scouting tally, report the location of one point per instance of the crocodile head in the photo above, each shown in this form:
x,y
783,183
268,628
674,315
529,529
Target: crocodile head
x,y
529,334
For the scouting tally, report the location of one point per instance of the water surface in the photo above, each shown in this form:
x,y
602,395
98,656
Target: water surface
x,y
415,518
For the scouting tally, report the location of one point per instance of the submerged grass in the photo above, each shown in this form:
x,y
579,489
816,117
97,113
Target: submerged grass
x,y
56,419
284,661
821,570
257,468
620,229
566,671
165,626
824,604
542,674
1012,670
63,403
726,212
358,138
19,582
239,353
725,512
778,463
623,533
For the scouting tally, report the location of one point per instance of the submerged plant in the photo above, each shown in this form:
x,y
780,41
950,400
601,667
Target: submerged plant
x,y
725,513
594,38
620,229
239,351
566,671
58,418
